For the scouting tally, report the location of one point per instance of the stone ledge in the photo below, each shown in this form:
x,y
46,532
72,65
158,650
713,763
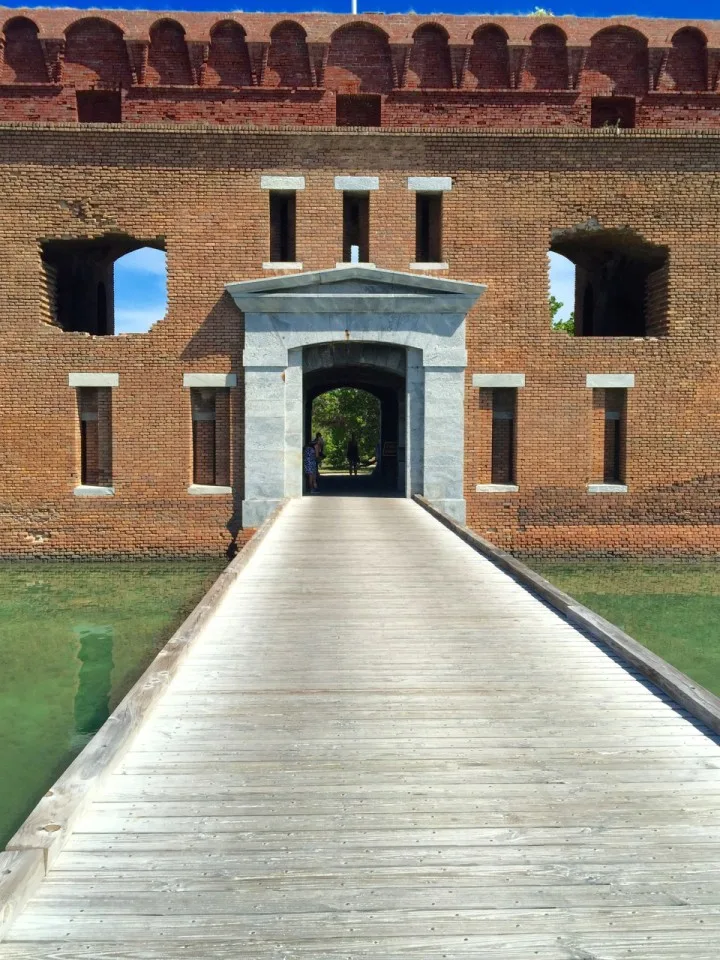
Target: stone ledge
x,y
87,490
357,184
610,381
269,182
699,702
207,490
496,488
429,266
93,379
282,265
429,184
607,488
209,379
494,380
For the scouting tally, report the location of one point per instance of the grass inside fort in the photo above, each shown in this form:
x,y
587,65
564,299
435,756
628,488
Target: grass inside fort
x,y
73,640
672,608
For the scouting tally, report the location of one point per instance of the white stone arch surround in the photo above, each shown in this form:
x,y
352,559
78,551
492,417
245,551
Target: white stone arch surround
x,y
425,315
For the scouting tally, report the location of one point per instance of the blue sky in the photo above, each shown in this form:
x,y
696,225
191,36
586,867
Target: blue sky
x,y
693,9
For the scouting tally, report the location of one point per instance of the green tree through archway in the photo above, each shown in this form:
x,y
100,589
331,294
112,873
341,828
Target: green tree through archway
x,y
341,412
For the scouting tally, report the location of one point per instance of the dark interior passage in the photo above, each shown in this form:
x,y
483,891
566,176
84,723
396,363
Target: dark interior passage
x,y
346,369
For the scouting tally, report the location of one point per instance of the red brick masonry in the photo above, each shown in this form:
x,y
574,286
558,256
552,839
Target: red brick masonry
x,y
445,82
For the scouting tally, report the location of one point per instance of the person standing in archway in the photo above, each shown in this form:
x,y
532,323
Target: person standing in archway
x,y
310,465
353,455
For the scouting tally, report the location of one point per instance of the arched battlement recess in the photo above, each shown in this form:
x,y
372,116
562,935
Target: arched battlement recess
x,y
359,60
547,62
23,61
228,58
288,58
617,62
687,61
168,59
422,317
95,52
489,63
429,65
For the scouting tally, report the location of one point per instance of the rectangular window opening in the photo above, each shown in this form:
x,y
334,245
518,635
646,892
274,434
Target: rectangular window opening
x,y
282,226
504,404
99,106
612,112
614,436
428,227
95,417
356,226
358,110
204,436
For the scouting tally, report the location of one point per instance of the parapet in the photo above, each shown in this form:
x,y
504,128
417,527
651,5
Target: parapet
x,y
365,70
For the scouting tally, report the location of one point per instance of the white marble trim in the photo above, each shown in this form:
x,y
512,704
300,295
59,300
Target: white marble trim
x,y
496,488
430,184
607,488
282,265
429,266
272,182
357,184
93,379
610,381
86,490
207,490
209,379
498,380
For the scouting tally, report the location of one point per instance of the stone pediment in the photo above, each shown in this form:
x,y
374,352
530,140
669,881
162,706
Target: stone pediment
x,y
355,289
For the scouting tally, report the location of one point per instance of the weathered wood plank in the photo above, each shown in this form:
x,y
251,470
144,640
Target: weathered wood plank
x,y
368,757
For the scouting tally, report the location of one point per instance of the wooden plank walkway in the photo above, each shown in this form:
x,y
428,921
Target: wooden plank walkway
x,y
383,747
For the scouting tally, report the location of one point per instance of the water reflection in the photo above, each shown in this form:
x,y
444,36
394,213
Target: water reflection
x,y
92,699
73,640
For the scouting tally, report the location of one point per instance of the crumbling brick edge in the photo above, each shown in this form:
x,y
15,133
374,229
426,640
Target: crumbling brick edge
x,y
32,850
699,702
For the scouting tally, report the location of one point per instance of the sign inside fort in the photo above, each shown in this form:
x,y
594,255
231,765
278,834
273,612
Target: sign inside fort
x,y
360,200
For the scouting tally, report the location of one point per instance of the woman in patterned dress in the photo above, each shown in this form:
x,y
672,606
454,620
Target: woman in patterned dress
x,y
310,466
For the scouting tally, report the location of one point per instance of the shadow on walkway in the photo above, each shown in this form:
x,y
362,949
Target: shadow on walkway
x,y
343,485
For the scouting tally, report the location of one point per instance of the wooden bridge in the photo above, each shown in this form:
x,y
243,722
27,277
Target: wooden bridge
x,y
382,746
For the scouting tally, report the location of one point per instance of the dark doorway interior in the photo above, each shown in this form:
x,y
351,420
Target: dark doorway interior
x,y
387,478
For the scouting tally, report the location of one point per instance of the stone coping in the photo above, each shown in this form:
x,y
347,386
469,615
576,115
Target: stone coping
x,y
698,701
190,128
34,847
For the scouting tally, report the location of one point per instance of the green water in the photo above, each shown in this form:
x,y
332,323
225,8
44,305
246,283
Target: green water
x,y
671,608
73,640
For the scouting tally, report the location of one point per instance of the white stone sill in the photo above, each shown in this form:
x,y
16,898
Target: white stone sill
x,y
205,490
283,265
427,267
496,488
607,488
84,490
362,263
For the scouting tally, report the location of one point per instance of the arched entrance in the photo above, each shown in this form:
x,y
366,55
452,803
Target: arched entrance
x,y
379,368
418,317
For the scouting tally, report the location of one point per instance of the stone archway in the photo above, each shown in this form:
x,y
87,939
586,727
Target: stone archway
x,y
422,316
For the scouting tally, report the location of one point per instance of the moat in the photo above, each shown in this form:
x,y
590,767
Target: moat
x,y
73,640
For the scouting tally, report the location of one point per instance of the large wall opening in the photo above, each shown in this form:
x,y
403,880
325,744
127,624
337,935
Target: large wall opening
x,y
114,284
621,282
357,388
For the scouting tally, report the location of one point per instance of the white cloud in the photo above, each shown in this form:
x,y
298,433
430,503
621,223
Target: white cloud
x,y
562,284
145,260
138,321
